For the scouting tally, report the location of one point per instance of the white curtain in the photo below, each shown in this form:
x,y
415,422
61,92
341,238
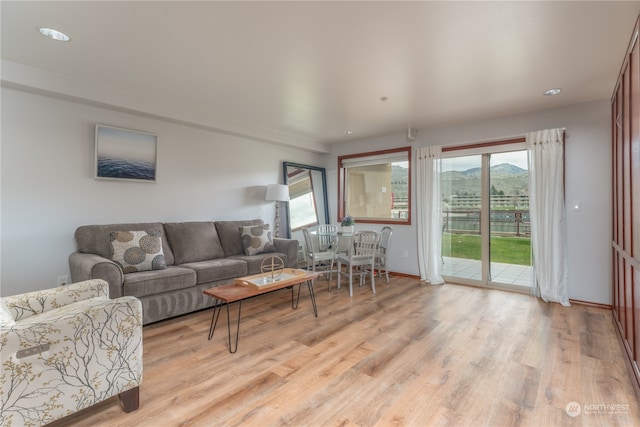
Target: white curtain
x,y
429,214
547,214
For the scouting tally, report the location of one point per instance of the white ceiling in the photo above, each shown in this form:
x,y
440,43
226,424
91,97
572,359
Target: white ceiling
x,y
302,73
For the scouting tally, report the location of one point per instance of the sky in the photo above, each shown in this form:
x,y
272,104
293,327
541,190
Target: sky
x,y
123,144
517,158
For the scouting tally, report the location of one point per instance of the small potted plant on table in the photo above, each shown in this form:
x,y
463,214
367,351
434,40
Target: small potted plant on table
x,y
347,223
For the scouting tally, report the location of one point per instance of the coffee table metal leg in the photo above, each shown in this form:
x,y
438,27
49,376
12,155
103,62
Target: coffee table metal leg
x,y
237,328
295,304
312,295
217,307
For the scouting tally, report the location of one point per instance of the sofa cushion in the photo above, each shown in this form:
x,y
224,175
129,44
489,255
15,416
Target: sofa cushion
x,y
255,261
94,239
218,269
158,281
193,241
137,250
256,239
229,233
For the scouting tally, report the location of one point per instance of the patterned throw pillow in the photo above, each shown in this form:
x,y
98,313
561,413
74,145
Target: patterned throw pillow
x,y
137,250
256,239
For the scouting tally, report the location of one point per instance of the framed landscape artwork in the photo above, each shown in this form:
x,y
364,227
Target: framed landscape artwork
x,y
125,154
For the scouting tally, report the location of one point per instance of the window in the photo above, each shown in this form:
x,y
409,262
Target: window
x,y
375,187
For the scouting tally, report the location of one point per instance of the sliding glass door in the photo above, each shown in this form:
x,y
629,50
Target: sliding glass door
x,y
461,187
486,233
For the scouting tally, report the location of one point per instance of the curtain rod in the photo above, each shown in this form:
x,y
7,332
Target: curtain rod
x,y
514,139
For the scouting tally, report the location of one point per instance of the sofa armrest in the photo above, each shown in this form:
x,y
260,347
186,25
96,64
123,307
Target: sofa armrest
x,y
84,266
288,247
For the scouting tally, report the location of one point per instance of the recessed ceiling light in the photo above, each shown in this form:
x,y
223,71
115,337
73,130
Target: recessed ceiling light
x,y
348,132
54,34
551,92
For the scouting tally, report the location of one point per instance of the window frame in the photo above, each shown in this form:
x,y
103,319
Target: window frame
x,y
393,152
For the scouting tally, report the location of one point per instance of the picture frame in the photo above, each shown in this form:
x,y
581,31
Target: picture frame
x,y
125,155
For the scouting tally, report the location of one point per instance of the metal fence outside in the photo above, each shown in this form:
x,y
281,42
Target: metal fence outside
x,y
510,222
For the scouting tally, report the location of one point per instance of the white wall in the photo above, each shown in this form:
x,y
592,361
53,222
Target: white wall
x,y
48,189
587,174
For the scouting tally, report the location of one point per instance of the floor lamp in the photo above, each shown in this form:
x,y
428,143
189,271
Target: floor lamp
x,y
277,193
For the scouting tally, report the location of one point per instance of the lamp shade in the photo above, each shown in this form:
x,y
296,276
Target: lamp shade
x,y
277,193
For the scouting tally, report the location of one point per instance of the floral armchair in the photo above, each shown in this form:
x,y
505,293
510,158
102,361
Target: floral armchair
x,y
65,349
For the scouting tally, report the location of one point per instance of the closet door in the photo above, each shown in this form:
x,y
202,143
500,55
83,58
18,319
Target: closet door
x,y
632,235
625,109
618,198
625,207
622,211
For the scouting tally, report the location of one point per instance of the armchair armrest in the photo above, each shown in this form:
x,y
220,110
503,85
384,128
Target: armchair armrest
x,y
288,247
86,266
32,303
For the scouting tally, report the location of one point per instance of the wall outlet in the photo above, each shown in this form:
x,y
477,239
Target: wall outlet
x,y
405,253
62,280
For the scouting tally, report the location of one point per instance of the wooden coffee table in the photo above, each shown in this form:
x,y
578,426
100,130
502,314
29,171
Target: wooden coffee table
x,y
251,286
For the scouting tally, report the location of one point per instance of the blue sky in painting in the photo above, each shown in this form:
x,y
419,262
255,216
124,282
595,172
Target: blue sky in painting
x,y
127,145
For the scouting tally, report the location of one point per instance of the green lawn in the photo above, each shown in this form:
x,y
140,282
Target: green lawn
x,y
509,250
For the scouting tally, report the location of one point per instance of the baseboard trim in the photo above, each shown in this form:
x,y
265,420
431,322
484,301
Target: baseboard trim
x,y
411,276
591,304
572,301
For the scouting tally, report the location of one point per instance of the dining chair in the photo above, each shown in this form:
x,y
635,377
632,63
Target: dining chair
x,y
316,259
361,257
381,253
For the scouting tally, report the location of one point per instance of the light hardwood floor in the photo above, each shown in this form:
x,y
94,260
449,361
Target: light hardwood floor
x,y
412,355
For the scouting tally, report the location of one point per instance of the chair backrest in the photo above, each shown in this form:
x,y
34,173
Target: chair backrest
x,y
328,229
385,237
328,235
308,243
364,244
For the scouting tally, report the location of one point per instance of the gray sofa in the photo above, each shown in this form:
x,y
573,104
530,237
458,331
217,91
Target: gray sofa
x,y
197,256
